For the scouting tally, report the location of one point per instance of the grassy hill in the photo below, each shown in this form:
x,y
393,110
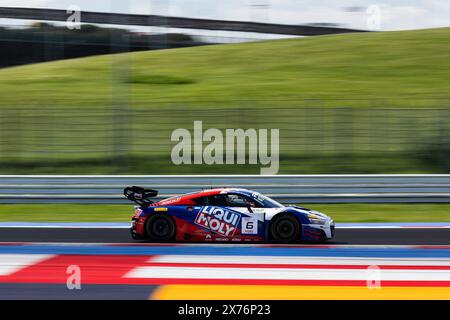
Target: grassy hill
x,y
396,66
353,103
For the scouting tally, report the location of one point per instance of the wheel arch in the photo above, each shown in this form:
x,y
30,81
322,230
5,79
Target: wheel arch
x,y
165,214
276,216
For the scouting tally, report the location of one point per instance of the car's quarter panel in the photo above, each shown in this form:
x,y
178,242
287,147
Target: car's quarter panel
x,y
137,224
311,231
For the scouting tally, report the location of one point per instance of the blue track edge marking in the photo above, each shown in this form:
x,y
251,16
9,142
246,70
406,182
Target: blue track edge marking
x,y
386,252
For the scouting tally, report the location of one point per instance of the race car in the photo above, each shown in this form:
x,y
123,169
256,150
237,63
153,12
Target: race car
x,y
224,215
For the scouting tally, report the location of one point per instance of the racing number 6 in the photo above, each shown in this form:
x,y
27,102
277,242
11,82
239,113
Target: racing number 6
x,y
249,226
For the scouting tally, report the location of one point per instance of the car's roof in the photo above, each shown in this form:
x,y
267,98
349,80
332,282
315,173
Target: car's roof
x,y
187,198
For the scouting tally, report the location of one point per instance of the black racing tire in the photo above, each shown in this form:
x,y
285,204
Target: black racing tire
x,y
285,228
160,228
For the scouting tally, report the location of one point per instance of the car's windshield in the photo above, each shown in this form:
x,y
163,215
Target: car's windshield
x,y
266,201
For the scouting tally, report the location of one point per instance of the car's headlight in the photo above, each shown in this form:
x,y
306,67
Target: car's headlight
x,y
315,219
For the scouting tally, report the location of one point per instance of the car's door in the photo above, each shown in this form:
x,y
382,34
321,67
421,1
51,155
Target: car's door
x,y
199,219
222,220
252,217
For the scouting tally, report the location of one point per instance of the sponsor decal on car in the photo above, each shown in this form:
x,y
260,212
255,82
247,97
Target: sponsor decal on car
x,y
137,213
249,226
222,239
169,201
258,196
218,220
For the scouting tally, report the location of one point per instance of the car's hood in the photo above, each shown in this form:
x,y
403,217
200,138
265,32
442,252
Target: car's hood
x,y
309,211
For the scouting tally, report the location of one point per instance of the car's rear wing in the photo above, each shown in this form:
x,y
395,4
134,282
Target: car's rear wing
x,y
140,195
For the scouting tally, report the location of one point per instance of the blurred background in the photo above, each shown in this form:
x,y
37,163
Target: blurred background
x,y
353,86
98,87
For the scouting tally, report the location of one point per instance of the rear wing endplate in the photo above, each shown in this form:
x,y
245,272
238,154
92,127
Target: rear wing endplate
x,y
140,195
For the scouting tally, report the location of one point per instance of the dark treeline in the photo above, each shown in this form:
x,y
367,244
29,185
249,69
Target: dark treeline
x,y
45,42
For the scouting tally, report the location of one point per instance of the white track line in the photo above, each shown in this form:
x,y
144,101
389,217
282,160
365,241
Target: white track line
x,y
285,274
297,260
11,263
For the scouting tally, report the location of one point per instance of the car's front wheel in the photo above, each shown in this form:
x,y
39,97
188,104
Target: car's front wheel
x,y
285,229
160,228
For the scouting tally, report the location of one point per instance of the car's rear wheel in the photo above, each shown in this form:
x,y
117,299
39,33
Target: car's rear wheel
x,y
161,228
285,229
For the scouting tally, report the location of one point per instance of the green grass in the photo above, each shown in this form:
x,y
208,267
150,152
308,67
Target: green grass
x,y
65,212
122,213
384,65
385,212
352,103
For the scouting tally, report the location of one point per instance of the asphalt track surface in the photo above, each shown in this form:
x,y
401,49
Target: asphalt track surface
x,y
45,291
96,265
397,236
